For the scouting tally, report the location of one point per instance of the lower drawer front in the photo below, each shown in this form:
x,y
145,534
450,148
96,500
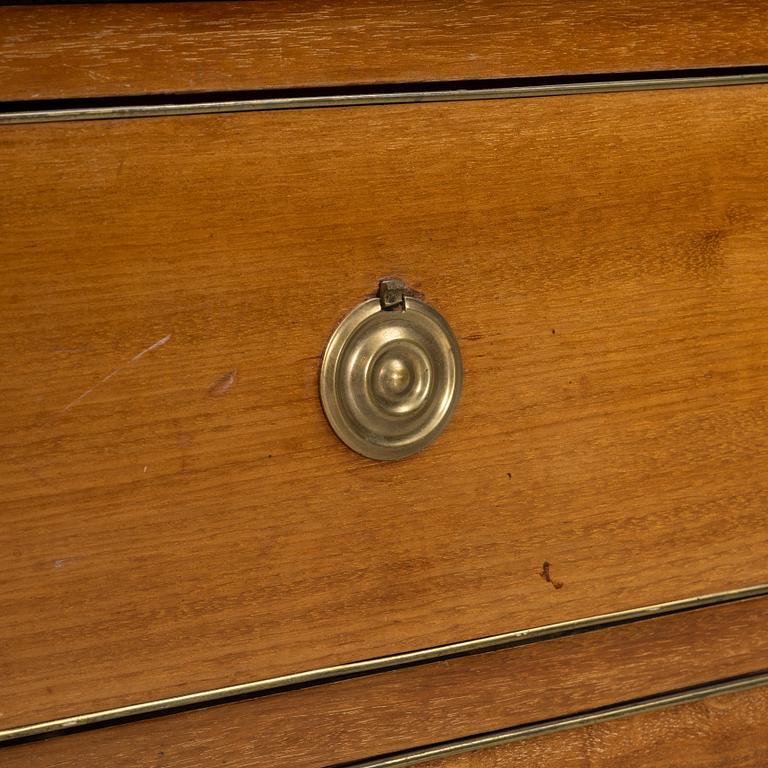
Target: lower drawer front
x,y
177,513
406,712
716,733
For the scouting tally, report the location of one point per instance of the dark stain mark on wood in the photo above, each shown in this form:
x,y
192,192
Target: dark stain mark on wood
x,y
509,475
223,384
710,243
705,256
547,576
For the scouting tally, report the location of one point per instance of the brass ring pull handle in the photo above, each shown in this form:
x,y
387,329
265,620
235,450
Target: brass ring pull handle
x,y
391,375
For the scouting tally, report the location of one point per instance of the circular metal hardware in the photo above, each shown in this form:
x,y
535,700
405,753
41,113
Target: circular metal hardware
x,y
390,379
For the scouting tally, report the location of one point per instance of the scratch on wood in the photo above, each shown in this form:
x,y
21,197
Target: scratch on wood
x,y
151,348
223,384
88,391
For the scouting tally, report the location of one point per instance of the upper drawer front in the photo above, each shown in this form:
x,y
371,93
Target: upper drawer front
x,y
107,49
177,514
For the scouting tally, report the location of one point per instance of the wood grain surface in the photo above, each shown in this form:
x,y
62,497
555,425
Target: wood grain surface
x,y
177,515
419,706
109,49
721,732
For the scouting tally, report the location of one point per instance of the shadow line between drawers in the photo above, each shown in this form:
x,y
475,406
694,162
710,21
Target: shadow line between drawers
x,y
106,108
324,675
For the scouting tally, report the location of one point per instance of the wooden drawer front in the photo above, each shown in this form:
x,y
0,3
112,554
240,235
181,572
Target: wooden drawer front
x,y
409,710
177,515
107,49
716,733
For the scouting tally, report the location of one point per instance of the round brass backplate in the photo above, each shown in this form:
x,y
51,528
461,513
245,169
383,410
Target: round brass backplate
x,y
390,378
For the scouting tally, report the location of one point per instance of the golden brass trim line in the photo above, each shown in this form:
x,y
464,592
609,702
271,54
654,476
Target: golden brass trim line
x,y
381,664
496,739
258,104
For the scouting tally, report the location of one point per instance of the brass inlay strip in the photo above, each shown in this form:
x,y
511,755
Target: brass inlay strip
x,y
381,664
498,738
257,104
